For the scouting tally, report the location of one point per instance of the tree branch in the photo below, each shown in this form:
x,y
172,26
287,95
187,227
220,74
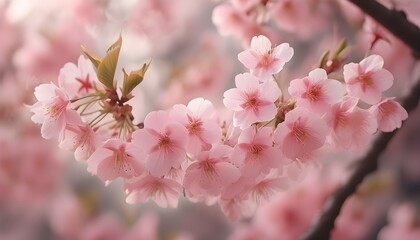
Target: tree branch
x,y
367,165
395,21
409,33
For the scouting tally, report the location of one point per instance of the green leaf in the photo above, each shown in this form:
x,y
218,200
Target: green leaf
x,y
106,69
134,79
94,59
323,59
340,48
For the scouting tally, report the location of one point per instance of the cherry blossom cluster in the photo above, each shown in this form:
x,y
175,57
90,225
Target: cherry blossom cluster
x,y
190,150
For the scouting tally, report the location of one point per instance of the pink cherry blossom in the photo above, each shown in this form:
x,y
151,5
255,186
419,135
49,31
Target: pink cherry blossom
x,y
264,188
164,192
50,110
79,137
389,114
255,153
251,101
316,92
300,134
234,200
367,79
116,158
263,60
294,16
210,173
229,20
202,129
402,223
351,126
78,80
164,141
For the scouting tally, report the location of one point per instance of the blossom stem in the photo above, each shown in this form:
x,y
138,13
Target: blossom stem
x,y
98,119
84,97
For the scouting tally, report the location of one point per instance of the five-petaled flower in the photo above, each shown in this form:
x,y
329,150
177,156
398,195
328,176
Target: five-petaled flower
x,y
316,92
367,79
251,101
263,60
163,140
116,158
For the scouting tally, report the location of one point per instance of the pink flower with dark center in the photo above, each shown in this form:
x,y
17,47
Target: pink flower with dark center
x,y
164,192
164,141
255,154
210,173
367,79
251,101
316,92
389,114
79,137
300,134
116,158
263,60
78,80
50,110
203,130
352,127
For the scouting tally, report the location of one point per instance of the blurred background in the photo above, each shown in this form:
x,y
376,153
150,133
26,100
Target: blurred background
x,y
193,44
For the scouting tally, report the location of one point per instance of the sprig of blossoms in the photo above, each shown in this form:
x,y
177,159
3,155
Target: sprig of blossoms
x,y
189,150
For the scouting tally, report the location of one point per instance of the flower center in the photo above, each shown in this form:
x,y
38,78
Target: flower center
x,y
265,59
194,126
299,133
120,161
56,109
255,149
365,80
164,141
314,93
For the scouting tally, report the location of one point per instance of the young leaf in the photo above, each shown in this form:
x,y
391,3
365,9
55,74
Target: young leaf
x,y
323,59
94,59
106,69
340,48
134,79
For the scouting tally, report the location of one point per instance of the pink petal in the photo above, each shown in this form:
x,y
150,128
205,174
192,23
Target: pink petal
x,y
350,71
96,158
372,63
157,120
200,107
249,59
158,164
246,82
233,98
318,74
270,91
261,44
383,79
283,52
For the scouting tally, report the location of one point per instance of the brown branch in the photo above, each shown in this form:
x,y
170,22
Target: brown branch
x,y
409,33
395,21
367,165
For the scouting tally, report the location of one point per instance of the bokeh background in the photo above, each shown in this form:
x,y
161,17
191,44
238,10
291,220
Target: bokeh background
x,y
193,44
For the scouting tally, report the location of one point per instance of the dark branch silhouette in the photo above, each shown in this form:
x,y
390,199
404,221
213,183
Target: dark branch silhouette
x,y
397,23
393,20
